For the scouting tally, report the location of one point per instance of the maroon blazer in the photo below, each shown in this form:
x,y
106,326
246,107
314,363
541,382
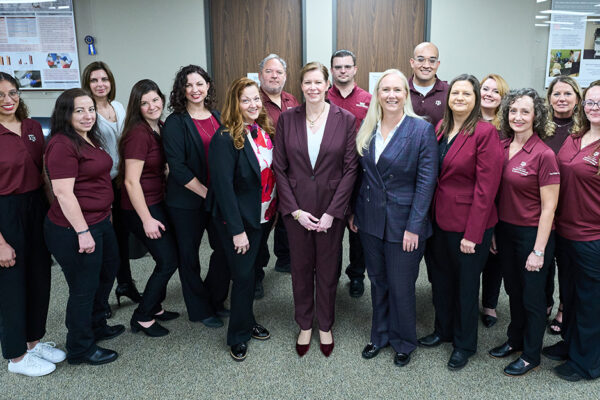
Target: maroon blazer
x,y
468,182
327,188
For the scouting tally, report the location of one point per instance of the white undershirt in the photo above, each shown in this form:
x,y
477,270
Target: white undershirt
x,y
314,142
380,143
423,89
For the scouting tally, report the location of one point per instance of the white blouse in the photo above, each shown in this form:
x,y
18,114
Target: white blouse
x,y
314,142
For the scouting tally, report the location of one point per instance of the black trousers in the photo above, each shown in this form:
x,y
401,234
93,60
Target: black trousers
x,y
526,289
566,263
122,233
242,266
583,335
558,268
201,298
164,253
356,268
455,287
281,246
24,287
491,281
90,278
393,274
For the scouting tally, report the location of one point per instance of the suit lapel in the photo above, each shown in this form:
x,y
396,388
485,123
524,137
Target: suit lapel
x,y
459,142
194,132
249,151
301,134
395,146
331,125
370,159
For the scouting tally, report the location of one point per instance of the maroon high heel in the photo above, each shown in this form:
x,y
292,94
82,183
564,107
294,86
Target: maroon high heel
x,y
326,349
302,349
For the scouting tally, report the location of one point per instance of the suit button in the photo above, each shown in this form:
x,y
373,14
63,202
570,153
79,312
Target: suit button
x,y
368,187
364,170
312,178
391,175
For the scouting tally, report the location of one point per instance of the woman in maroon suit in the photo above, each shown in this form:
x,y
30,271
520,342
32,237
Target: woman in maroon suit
x,y
315,166
464,212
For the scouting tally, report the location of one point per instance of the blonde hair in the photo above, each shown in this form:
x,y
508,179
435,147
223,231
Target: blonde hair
x,y
375,113
576,117
503,90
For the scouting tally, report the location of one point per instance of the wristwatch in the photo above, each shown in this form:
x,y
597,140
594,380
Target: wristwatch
x,y
538,253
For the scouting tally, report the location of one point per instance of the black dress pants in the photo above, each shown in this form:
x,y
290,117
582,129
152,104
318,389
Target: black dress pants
x,y
281,246
201,298
24,287
164,253
393,274
455,287
526,289
119,225
491,281
90,278
242,266
583,337
356,268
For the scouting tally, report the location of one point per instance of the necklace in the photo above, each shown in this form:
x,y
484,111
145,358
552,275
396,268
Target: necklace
x,y
208,135
312,122
563,125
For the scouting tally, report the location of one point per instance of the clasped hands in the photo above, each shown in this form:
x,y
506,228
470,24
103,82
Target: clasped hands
x,y
311,223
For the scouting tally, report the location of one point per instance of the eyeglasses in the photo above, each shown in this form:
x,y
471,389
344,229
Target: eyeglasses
x,y
423,60
589,104
13,94
340,67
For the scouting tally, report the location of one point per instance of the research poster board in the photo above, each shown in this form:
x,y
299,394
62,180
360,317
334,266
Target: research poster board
x,y
574,41
38,45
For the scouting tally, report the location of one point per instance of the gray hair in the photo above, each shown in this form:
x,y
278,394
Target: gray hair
x,y
261,65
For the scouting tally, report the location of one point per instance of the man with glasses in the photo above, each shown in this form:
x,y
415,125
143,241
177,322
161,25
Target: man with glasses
x,y
427,92
346,94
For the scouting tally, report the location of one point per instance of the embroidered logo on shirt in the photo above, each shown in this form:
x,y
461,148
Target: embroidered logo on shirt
x,y
438,103
521,169
363,105
32,138
593,159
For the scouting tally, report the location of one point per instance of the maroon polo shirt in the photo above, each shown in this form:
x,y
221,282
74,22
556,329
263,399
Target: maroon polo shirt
x,y
578,216
561,132
432,105
357,102
21,158
91,169
287,101
533,166
141,143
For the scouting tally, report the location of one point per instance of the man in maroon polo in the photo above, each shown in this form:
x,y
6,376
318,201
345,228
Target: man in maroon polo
x,y
346,94
427,92
272,76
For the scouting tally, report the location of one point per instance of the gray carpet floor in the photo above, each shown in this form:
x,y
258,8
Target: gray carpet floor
x,y
193,362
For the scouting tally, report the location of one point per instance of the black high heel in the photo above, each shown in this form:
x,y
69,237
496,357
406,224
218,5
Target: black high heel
x,y
128,290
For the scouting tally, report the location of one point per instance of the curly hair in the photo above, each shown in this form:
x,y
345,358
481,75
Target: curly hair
x,y
541,123
576,110
177,100
97,66
470,123
22,111
232,119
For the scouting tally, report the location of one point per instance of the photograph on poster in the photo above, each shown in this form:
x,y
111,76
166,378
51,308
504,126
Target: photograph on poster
x,y
56,60
591,49
565,62
29,79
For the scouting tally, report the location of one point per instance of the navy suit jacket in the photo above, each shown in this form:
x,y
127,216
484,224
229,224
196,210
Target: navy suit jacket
x,y
395,194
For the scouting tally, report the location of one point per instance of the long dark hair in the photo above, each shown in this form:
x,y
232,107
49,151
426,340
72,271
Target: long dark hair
x,y
177,100
469,125
22,110
134,117
60,122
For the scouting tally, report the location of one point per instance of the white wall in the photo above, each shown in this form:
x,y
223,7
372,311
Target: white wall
x,y
490,36
152,38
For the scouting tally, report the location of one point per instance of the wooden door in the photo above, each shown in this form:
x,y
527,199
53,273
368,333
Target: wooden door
x,y
382,34
244,32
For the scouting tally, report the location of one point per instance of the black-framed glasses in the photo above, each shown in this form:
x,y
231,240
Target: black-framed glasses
x,y
13,94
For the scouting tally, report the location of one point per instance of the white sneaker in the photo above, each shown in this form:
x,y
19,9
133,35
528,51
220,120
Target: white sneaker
x,y
31,365
48,352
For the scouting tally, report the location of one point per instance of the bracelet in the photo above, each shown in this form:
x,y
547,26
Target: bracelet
x,y
538,253
82,232
298,214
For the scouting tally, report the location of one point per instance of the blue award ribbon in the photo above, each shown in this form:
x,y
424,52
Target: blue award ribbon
x,y
89,40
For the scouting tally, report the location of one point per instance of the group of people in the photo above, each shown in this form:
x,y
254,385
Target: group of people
x,y
480,180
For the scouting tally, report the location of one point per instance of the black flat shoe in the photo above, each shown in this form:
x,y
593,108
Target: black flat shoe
x,y
239,351
154,330
488,320
370,351
166,316
223,312
357,287
109,332
503,350
457,360
285,268
100,356
401,359
518,368
431,340
566,372
557,352
127,290
212,322
259,332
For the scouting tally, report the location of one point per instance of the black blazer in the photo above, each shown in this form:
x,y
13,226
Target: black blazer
x,y
186,158
235,192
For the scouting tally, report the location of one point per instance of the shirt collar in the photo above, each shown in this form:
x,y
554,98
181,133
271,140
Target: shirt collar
x,y
378,128
529,145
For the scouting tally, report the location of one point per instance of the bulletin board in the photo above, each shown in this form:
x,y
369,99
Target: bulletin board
x,y
38,45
